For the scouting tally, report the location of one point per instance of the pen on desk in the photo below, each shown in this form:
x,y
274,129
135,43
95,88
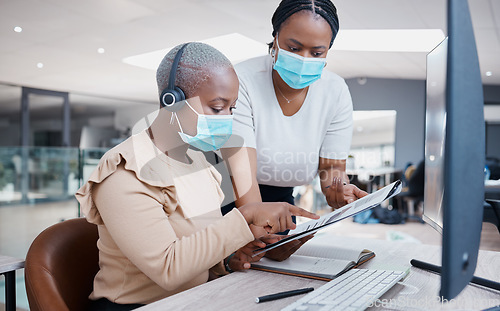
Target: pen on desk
x,y
284,294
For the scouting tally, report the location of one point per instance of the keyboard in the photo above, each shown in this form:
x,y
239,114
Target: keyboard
x,y
354,290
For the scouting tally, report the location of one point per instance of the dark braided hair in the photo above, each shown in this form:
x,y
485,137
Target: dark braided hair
x,y
324,8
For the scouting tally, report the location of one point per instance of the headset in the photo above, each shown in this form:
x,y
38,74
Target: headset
x,y
172,98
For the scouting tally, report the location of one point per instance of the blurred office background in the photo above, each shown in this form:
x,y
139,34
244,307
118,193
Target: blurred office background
x,y
76,76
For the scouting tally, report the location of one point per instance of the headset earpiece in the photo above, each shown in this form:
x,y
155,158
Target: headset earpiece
x,y
172,98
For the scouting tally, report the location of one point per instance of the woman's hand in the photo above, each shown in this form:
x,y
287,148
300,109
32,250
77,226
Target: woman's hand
x,y
274,217
286,250
338,194
242,259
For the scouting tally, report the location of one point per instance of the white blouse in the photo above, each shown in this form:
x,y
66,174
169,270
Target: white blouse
x,y
289,147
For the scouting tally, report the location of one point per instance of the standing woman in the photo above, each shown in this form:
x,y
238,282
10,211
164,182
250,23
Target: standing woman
x,y
293,118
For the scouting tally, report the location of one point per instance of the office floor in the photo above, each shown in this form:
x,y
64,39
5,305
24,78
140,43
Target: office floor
x,y
19,225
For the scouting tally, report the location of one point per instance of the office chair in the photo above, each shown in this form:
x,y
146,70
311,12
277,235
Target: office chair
x,y
412,196
60,266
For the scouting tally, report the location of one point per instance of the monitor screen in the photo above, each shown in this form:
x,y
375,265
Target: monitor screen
x,y
455,149
435,133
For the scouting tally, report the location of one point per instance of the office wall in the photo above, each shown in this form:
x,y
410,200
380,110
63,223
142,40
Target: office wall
x,y
493,140
407,97
492,97
128,117
11,135
491,94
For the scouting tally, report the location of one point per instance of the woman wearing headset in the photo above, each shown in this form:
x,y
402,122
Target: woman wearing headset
x,y
157,203
293,118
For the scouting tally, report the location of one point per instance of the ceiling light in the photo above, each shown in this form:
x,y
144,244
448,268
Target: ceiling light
x,y
101,50
388,40
18,29
489,73
361,80
39,65
235,46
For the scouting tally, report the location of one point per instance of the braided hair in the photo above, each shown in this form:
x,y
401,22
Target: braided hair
x,y
324,8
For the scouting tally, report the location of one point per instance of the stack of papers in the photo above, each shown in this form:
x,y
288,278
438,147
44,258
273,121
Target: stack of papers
x,y
351,209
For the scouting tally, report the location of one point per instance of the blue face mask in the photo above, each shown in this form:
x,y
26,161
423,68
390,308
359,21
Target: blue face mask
x,y
298,71
212,132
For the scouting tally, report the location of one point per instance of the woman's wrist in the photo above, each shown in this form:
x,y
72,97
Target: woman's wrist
x,y
226,263
246,213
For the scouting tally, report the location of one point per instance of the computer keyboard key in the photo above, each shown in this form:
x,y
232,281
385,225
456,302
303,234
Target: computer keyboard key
x,y
352,291
358,303
315,300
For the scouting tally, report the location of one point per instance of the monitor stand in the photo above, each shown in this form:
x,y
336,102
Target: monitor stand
x,y
476,280
437,269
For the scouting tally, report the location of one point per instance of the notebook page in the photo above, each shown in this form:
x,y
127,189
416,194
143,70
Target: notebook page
x,y
305,265
327,251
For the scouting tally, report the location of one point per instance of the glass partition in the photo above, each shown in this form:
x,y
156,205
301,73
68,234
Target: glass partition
x,y
38,181
52,174
89,158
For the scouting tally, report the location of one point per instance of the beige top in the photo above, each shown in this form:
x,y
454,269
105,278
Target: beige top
x,y
159,221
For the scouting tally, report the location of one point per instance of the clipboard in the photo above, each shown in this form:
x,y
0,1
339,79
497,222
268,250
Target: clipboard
x,y
351,209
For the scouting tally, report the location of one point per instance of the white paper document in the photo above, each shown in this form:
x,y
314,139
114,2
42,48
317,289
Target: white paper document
x,y
351,209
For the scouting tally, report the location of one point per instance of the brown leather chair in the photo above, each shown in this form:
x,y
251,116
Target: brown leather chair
x,y
60,266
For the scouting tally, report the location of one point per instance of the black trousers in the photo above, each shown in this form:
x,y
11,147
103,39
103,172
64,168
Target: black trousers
x,y
269,194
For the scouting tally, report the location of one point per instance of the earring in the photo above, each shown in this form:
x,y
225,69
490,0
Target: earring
x,y
273,52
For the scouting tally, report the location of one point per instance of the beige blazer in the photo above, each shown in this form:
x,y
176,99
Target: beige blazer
x,y
159,221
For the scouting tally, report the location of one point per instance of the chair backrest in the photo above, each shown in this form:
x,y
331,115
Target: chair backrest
x,y
60,266
409,171
417,181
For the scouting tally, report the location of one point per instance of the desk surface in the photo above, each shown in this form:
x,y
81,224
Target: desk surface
x,y
492,185
8,264
418,291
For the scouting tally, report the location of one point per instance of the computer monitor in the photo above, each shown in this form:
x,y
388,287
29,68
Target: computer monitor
x,y
455,149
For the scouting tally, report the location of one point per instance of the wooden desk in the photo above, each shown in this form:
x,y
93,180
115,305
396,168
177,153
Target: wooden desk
x,y
8,267
418,291
492,190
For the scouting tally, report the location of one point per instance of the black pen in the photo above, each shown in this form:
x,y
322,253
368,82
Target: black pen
x,y
284,294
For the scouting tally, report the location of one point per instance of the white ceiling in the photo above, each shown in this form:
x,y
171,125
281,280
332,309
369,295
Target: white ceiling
x,y
65,34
